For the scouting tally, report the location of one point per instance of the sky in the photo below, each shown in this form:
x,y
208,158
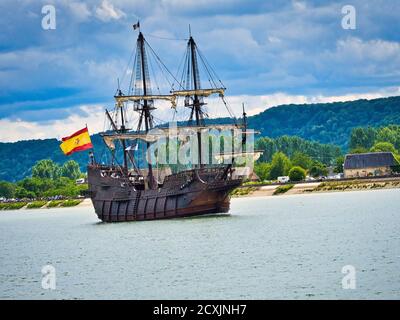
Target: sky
x,y
266,53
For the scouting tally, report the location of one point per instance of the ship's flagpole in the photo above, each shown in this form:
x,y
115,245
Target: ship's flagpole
x,y
136,26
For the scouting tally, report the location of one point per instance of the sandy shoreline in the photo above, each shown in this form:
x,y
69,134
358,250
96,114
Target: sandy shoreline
x,y
325,187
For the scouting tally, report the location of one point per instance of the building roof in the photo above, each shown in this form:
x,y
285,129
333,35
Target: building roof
x,y
246,172
369,160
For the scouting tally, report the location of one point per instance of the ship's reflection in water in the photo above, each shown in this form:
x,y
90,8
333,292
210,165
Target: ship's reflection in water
x,y
277,247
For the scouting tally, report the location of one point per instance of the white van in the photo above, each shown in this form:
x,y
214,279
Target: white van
x,y
283,179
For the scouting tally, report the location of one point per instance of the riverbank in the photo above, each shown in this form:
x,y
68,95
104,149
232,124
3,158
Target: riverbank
x,y
318,187
44,204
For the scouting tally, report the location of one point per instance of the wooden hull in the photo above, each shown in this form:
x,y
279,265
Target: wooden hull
x,y
176,198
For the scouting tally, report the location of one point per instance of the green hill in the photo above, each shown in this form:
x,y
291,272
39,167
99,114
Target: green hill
x,y
17,158
327,123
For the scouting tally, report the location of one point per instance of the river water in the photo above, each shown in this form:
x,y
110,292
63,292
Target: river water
x,y
284,247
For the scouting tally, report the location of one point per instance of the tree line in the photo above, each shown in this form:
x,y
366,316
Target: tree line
x,y
297,157
330,123
48,180
369,139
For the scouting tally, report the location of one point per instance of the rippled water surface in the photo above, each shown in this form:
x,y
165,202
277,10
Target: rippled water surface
x,y
274,247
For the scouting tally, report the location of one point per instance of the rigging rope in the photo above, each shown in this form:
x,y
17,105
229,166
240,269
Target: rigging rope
x,y
162,63
127,67
165,38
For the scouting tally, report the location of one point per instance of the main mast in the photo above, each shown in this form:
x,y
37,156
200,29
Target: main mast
x,y
196,101
145,111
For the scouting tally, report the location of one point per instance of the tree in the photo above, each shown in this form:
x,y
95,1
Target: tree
x,y
262,170
290,145
383,147
71,170
21,192
7,189
36,185
318,170
280,165
297,173
267,146
362,138
387,134
302,160
46,169
339,164
358,150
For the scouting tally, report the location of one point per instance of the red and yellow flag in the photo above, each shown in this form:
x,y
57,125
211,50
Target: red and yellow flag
x,y
77,141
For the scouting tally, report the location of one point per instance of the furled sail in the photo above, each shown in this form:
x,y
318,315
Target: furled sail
x,y
199,92
227,156
170,98
158,133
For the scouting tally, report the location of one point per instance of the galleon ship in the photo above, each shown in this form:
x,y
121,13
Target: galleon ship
x,y
127,188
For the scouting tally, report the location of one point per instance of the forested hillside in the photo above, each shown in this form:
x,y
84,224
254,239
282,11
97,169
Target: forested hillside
x,y
327,122
17,159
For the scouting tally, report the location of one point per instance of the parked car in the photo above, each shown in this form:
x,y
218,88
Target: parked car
x,y
335,176
80,181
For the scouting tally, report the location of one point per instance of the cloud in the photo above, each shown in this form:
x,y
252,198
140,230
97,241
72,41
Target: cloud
x,y
15,130
375,50
80,10
299,5
106,12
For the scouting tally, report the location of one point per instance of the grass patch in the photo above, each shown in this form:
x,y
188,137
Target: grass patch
x,y
70,203
12,205
242,191
353,185
36,204
253,183
283,189
54,203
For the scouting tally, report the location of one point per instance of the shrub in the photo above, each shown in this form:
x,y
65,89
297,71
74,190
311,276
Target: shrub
x,y
54,203
283,189
318,170
253,183
70,203
12,205
297,174
383,147
242,191
36,204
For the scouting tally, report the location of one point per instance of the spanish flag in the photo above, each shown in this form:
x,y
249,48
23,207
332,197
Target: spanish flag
x,y
77,141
